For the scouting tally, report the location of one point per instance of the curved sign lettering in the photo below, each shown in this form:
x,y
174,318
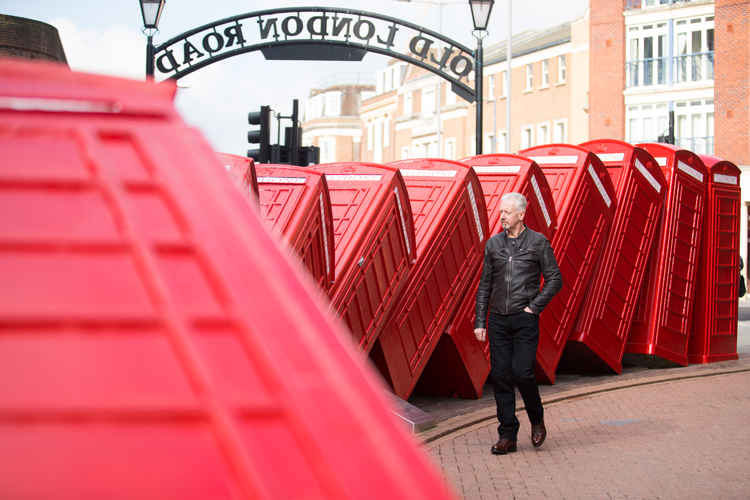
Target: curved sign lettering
x,y
317,33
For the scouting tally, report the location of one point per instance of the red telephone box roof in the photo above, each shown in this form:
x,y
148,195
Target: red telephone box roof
x,y
503,173
242,171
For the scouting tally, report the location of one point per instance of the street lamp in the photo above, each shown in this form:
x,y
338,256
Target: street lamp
x,y
151,11
480,16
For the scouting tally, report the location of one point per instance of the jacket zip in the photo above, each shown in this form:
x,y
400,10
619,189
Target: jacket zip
x,y
508,275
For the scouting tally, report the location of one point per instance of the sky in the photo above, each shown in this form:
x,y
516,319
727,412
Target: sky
x,y
106,37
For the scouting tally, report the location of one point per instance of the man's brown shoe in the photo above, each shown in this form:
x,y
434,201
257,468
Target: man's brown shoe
x,y
503,446
538,434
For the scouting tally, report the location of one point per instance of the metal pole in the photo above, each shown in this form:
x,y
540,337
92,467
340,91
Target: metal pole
x,y
439,90
508,57
478,75
149,56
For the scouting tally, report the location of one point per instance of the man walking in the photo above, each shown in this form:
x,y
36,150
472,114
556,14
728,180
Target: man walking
x,y
514,261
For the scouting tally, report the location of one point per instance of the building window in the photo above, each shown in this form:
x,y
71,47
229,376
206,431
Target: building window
x,y
405,153
647,122
369,136
694,49
545,73
542,133
502,145
386,132
428,101
450,149
529,77
377,153
694,125
504,84
527,137
327,149
647,55
408,103
491,143
649,46
491,87
562,69
647,4
560,131
315,107
333,104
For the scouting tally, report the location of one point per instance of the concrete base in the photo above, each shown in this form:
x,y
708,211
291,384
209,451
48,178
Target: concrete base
x,y
415,419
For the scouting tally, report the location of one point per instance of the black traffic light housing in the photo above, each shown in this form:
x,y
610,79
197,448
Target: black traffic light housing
x,y
290,153
260,136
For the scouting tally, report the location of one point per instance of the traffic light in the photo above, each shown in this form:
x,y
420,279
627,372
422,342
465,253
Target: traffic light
x,y
309,155
261,136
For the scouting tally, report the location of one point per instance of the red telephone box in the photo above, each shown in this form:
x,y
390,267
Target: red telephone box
x,y
585,202
598,338
662,321
714,333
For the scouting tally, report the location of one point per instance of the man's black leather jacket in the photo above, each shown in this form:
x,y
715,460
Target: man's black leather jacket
x,y
510,278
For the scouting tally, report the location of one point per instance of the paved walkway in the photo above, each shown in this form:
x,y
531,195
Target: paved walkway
x,y
663,433
683,438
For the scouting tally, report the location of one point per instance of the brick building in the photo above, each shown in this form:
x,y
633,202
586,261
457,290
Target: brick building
x,y
618,72
688,57
415,114
332,118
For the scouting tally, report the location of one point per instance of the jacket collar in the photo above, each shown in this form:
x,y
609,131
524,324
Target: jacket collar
x,y
521,237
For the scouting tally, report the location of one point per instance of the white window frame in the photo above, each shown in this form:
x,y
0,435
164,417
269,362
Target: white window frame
x,y
450,148
386,132
504,84
635,54
327,149
543,138
489,140
684,72
405,152
695,140
333,103
545,73
428,96
408,103
504,147
370,135
527,136
491,87
556,139
562,69
377,153
529,78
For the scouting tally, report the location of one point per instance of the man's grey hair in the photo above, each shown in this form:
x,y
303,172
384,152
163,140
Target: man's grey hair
x,y
517,198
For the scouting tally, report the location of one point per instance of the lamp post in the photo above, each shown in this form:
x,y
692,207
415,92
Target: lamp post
x,y
480,15
151,11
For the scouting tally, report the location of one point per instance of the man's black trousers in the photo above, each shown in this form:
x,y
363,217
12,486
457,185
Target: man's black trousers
x,y
513,342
